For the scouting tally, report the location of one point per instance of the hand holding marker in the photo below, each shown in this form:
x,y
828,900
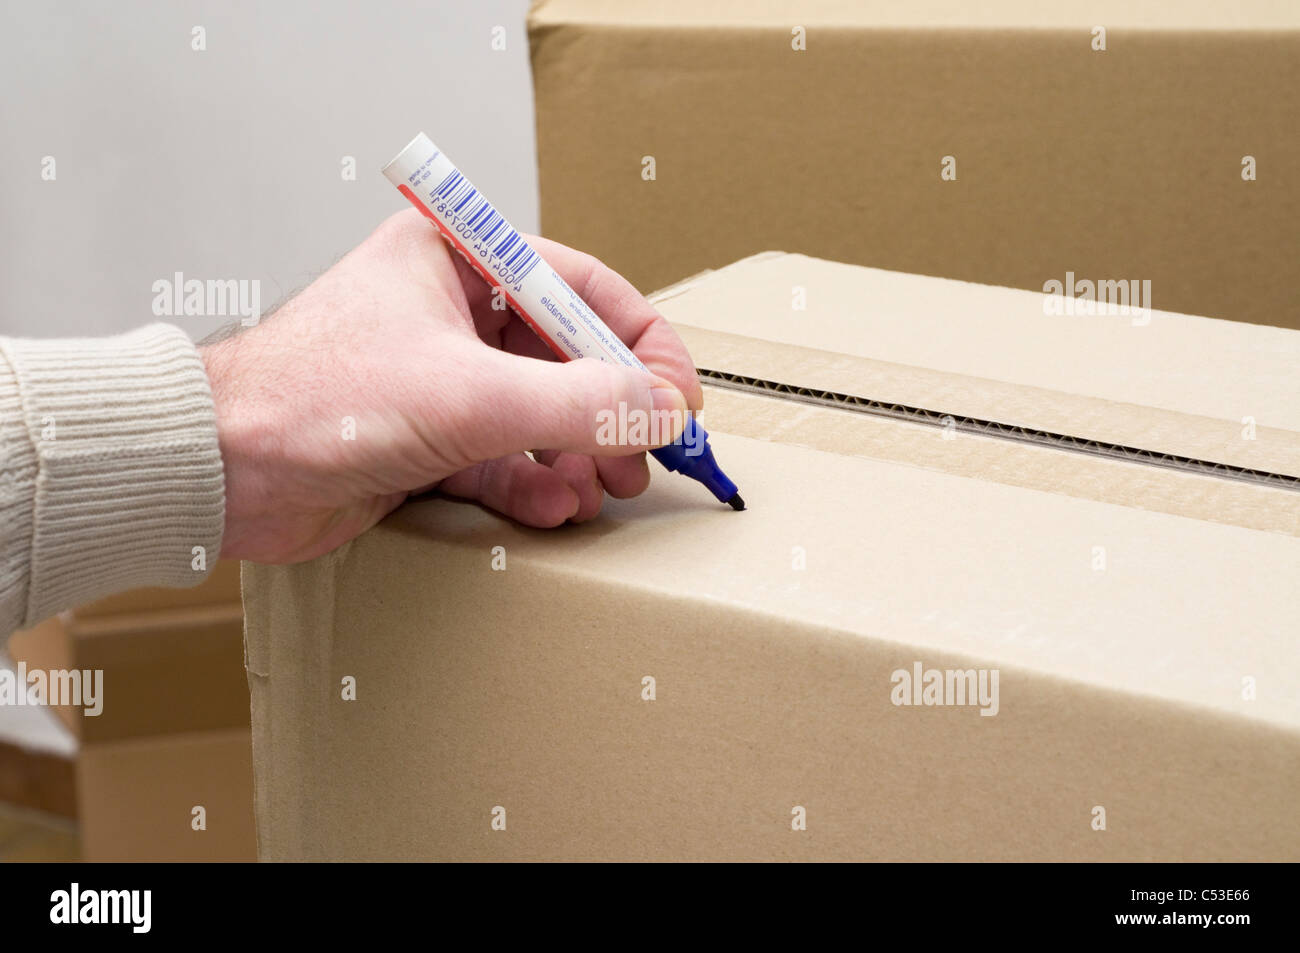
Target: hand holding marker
x,y
497,251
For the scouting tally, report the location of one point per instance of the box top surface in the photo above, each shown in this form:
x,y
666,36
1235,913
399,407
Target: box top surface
x,y
1193,365
1206,389
996,568
852,547
863,528
902,14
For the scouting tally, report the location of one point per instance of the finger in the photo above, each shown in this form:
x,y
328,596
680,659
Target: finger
x,y
620,477
579,472
586,407
518,487
627,313
623,477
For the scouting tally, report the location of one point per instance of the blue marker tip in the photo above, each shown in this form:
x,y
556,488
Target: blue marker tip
x,y
691,456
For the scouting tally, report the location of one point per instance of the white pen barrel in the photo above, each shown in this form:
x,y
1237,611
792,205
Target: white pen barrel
x,y
497,250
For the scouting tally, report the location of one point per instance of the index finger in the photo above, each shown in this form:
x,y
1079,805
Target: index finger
x,y
628,314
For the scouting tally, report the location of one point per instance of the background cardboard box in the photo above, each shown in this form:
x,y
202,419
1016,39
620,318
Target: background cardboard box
x,y
1117,164
175,670
773,637
173,734
136,798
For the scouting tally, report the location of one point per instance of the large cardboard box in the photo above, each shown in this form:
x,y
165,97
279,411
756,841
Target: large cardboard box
x,y
994,142
1096,559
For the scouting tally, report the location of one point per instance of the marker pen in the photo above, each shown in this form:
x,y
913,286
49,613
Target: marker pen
x,y
498,252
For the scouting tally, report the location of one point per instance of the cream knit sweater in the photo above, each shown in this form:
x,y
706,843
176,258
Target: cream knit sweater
x,y
110,474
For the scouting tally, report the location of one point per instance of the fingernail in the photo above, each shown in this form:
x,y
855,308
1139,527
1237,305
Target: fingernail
x,y
670,406
666,397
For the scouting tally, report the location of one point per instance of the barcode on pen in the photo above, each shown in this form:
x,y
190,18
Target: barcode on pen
x,y
484,225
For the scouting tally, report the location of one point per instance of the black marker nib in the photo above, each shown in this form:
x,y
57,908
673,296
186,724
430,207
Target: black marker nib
x,y
736,503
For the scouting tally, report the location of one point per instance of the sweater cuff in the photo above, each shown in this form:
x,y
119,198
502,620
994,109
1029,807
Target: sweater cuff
x,y
129,485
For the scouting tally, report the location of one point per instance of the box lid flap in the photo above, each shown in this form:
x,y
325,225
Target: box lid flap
x,y
1171,384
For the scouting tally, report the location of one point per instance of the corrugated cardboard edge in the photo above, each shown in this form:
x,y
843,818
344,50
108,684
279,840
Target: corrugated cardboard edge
x,y
1032,467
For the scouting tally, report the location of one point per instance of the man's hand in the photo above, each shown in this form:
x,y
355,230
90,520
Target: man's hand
x,y
392,373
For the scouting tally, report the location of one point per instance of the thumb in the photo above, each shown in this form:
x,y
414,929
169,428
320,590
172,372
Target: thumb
x,y
584,406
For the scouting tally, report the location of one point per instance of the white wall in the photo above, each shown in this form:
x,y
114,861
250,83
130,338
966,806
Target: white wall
x,y
226,163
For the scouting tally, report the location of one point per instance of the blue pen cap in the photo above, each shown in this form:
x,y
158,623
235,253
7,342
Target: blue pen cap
x,y
691,456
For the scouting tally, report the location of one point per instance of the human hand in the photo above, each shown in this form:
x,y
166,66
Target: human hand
x,y
392,373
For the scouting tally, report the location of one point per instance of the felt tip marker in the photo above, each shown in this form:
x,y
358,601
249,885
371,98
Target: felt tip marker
x,y
472,226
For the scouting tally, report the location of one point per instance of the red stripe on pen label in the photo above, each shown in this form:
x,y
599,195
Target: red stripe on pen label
x,y
477,265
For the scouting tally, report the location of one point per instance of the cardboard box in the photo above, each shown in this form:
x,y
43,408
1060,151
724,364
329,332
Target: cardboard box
x,y
137,798
172,671
173,732
676,681
1122,163
131,800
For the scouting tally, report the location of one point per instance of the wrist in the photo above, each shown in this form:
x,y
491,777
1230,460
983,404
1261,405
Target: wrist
x,y
239,437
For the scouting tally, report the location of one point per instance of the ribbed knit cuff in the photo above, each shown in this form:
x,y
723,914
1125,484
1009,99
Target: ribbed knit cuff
x,y
17,495
129,487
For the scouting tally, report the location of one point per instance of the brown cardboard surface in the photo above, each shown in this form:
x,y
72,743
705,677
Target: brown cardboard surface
x,y
1177,362
1033,467
1159,684
37,780
1122,164
1176,384
170,671
136,798
521,689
